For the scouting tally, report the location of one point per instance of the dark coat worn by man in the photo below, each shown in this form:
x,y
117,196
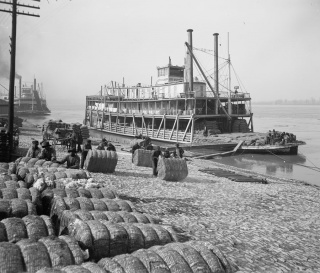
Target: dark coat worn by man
x,y
155,158
73,160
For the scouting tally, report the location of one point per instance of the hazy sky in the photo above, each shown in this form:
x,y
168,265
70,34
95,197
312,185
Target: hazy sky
x,y
77,46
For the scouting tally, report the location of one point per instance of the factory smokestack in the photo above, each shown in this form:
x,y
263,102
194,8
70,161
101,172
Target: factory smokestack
x,y
190,79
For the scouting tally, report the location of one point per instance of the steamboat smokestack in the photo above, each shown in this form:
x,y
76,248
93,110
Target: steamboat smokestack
x,y
34,84
216,69
20,87
190,60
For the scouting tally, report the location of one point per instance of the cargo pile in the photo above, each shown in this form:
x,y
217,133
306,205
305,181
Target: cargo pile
x,y
240,126
46,226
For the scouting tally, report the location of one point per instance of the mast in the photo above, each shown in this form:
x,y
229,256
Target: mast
x,y
216,71
229,64
190,61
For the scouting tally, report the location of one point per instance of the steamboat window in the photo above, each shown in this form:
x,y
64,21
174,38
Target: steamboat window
x,y
176,72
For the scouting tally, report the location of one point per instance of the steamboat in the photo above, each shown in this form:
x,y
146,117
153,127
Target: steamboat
x,y
177,108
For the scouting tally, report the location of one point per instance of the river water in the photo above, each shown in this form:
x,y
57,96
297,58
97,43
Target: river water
x,y
301,120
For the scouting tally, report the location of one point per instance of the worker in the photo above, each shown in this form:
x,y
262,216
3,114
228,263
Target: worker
x,y
85,149
102,144
178,153
134,148
72,159
155,158
35,150
111,147
48,153
166,153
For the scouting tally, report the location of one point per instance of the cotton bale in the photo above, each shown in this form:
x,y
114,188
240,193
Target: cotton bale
x,y
142,158
172,169
101,161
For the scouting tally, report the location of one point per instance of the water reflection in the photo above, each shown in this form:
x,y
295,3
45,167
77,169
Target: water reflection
x,y
271,164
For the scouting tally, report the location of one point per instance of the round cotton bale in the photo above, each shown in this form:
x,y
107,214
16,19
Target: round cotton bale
x,y
192,257
110,265
110,194
100,240
22,172
93,267
34,254
58,206
5,209
152,261
113,217
135,235
59,252
60,175
36,198
5,177
16,229
81,232
164,236
99,205
66,218
172,169
71,175
130,263
211,259
10,258
36,227
98,215
32,162
85,203
222,258
54,165
24,160
12,168
72,193
9,194
24,194
84,215
118,238
77,254
123,205
47,164
19,208
12,184
49,225
141,218
3,233
111,204
61,169
71,203
75,269
40,162
52,169
150,236
127,217
32,210
49,270
152,219
2,185
84,193
96,193
173,259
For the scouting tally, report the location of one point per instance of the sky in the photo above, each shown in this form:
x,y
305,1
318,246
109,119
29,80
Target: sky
x,y
76,46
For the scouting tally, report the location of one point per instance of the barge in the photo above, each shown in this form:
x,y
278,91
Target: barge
x,y
177,108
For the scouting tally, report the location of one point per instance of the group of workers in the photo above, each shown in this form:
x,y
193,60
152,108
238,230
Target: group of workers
x,y
283,138
73,161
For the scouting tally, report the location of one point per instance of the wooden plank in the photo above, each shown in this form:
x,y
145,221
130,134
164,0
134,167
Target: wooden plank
x,y
159,127
174,124
152,126
185,132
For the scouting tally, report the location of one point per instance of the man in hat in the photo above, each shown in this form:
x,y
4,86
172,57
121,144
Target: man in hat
x,y
103,144
48,153
178,153
34,150
111,147
72,159
85,149
155,158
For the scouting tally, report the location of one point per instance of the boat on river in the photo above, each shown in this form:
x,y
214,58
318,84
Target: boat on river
x,y
284,149
178,107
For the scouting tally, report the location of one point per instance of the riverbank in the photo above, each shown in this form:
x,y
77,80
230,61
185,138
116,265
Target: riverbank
x,y
272,227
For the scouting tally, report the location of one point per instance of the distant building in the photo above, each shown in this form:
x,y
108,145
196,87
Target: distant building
x,y
4,108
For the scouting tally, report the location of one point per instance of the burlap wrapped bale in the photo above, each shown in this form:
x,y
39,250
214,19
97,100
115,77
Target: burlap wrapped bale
x,y
3,233
24,194
19,208
60,175
164,236
124,205
110,265
172,169
84,193
77,254
15,229
111,204
135,237
5,177
24,160
173,259
99,204
152,261
84,215
107,193
177,235
127,217
32,162
96,193
93,267
85,203
49,225
29,179
192,257
12,184
34,254
14,177
59,252
142,158
118,238
100,240
36,199
57,207
71,203
9,194
40,162
211,259
12,168
47,164
36,227
72,193
22,184
10,258
67,217
81,232
101,161
32,210
49,270
5,209
130,263
141,218
22,172
74,269
149,234
52,169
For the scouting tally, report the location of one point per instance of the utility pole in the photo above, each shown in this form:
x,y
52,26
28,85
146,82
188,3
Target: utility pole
x,y
14,11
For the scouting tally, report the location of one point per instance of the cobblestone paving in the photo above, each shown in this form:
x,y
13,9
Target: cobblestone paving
x,y
262,228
